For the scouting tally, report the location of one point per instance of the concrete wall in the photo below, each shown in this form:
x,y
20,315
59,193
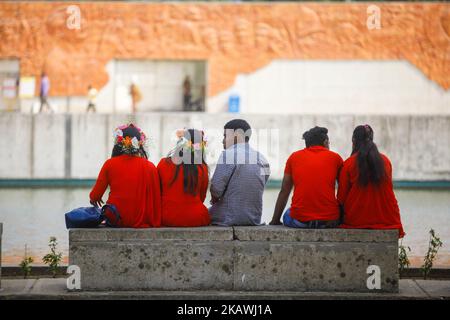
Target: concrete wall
x,y
160,83
9,69
283,86
75,146
235,38
336,87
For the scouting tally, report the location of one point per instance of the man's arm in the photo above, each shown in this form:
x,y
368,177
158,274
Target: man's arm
x,y
343,186
265,167
221,178
283,197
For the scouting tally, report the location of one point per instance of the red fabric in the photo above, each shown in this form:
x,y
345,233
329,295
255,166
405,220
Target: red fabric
x,y
180,209
134,190
370,207
314,171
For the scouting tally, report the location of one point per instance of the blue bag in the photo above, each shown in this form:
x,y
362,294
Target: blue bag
x,y
91,217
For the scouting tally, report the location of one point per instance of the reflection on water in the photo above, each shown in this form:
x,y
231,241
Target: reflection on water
x,y
32,216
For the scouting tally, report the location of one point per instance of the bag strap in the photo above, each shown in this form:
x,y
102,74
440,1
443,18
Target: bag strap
x,y
114,210
229,179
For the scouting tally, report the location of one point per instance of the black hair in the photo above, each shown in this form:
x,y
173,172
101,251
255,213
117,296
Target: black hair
x,y
195,161
315,136
132,132
240,124
370,163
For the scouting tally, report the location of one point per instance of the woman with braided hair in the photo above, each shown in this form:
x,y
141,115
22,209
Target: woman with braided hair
x,y
365,186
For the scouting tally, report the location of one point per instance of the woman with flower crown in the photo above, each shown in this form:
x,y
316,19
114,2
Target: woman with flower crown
x,y
133,181
184,182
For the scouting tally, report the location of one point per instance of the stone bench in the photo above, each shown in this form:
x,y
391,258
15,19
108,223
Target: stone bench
x,y
265,258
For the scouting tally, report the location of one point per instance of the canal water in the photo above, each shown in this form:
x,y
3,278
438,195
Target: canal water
x,y
31,216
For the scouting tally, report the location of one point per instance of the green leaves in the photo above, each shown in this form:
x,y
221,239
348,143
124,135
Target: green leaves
x,y
53,258
25,266
433,248
403,260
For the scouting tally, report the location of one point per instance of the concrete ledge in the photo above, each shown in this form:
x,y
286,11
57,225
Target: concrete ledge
x,y
266,258
126,234
284,234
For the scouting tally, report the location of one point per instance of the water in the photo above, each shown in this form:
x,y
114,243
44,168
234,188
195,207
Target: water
x,y
31,216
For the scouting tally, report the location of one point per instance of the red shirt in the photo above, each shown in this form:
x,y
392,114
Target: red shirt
x,y
180,209
369,207
134,190
314,171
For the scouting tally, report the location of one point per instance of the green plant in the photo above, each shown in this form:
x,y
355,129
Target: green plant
x,y
53,259
433,247
25,264
403,260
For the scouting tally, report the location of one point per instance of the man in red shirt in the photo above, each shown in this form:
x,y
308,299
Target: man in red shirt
x,y
312,172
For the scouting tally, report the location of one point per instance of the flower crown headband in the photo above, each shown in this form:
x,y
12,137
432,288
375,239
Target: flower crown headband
x,y
184,143
128,144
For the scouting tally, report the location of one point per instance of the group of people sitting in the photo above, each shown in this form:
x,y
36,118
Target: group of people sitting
x,y
173,193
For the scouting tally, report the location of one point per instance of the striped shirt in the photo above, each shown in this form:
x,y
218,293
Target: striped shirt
x,y
238,182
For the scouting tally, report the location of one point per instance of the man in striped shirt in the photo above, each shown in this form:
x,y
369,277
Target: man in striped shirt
x,y
238,182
